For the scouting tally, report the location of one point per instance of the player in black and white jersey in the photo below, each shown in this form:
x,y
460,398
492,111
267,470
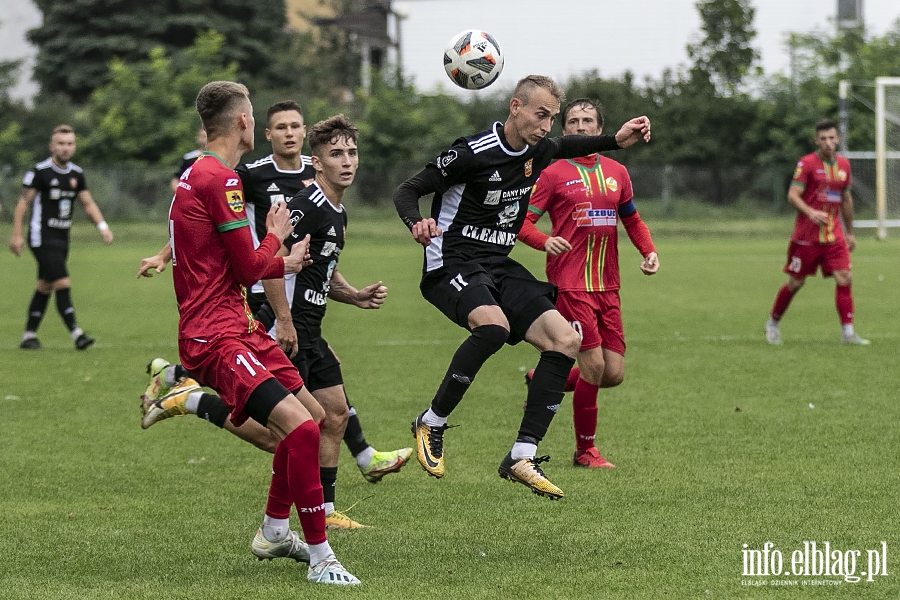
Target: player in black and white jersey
x,y
481,187
50,189
188,159
317,212
275,178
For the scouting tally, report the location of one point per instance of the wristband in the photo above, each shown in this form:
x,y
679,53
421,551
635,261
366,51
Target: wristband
x,y
102,226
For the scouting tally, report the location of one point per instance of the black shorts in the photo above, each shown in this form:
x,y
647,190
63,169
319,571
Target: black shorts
x,y
457,289
51,261
318,366
255,301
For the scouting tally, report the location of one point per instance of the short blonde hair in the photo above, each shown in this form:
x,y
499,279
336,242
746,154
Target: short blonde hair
x,y
527,85
61,129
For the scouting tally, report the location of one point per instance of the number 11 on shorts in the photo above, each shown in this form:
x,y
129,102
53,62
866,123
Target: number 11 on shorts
x,y
458,282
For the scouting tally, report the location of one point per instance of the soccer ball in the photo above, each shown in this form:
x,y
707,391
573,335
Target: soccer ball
x,y
473,59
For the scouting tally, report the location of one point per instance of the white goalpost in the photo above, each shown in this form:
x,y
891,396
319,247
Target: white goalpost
x,y
877,173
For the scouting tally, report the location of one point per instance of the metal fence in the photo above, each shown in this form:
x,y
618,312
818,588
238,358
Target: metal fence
x,y
144,194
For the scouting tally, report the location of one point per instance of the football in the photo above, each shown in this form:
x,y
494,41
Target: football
x,y
473,59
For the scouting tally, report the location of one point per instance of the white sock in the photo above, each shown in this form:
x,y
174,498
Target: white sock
x,y
432,420
329,508
275,530
523,450
772,322
75,333
365,457
29,335
319,552
193,400
847,329
169,376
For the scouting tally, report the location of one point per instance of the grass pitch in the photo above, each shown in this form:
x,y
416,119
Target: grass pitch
x,y
719,439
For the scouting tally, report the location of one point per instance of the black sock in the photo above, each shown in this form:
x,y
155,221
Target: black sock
x,y
328,475
544,395
181,372
65,308
469,357
353,435
36,310
213,409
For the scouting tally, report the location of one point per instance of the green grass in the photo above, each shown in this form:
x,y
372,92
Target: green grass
x,y
719,439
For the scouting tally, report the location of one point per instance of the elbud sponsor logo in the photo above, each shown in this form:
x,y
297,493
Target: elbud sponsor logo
x,y
814,559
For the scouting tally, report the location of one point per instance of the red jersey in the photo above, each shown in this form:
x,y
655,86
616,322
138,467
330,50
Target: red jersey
x,y
822,184
584,197
212,252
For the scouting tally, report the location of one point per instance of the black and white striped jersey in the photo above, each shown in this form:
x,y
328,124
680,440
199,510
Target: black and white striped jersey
x,y
264,185
51,213
326,224
482,187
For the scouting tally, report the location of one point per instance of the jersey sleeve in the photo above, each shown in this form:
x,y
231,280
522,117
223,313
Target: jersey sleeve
x,y
304,221
537,206
28,179
82,183
801,175
454,165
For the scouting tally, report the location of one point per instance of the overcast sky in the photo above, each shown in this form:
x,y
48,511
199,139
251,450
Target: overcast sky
x,y
565,37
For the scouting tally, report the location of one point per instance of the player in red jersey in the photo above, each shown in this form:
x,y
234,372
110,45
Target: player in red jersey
x,y
584,198
213,261
820,192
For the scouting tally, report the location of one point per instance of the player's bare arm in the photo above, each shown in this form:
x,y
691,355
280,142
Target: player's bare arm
x,y
93,211
650,264
155,263
285,332
17,240
632,131
370,297
847,214
795,199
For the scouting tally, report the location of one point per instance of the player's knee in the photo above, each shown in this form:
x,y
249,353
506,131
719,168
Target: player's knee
x,y
567,341
336,417
843,277
492,337
591,372
794,284
612,379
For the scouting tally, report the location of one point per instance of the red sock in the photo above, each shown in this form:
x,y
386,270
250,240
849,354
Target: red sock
x,y
302,446
584,413
572,379
279,504
782,301
843,299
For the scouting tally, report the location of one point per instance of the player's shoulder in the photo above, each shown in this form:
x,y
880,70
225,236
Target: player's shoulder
x,y
482,141
44,165
808,159
607,163
843,161
258,167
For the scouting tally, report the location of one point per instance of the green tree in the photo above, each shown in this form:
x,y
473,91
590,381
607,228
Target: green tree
x,y
724,55
145,114
79,38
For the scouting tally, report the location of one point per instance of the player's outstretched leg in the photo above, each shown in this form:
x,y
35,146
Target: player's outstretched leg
x,y
374,465
174,403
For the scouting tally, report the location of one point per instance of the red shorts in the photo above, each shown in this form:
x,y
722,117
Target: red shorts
x,y
235,366
596,316
805,259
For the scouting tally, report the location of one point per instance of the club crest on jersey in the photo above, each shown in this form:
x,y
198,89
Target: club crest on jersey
x,y
842,176
611,184
586,216
308,182
73,182
492,198
528,164
235,200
